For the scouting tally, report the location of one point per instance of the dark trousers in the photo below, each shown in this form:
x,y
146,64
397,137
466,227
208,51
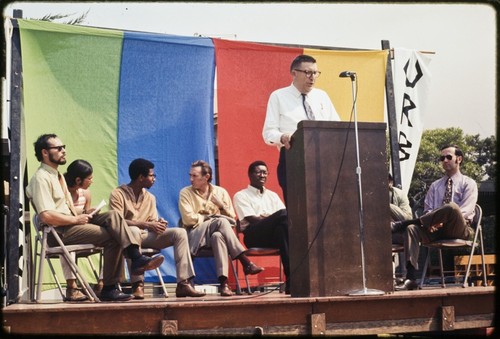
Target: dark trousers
x,y
271,232
282,173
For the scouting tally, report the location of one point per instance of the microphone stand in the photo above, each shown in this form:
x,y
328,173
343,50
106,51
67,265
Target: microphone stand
x,y
364,290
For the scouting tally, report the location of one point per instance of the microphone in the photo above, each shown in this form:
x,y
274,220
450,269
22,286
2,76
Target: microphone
x,y
346,74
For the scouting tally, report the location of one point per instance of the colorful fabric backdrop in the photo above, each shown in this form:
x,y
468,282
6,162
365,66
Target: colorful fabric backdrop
x,y
114,96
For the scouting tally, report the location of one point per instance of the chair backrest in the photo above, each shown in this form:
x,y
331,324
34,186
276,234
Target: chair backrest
x,y
476,221
39,229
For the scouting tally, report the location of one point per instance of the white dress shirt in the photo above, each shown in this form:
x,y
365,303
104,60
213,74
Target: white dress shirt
x,y
251,202
285,110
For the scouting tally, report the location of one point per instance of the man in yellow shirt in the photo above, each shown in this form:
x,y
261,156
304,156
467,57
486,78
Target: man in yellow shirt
x,y
208,215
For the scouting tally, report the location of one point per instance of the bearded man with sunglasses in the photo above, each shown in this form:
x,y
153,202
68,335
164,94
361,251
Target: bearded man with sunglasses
x,y
448,211
289,105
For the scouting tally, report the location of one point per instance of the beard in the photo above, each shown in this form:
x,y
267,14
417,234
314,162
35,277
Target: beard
x,y
60,161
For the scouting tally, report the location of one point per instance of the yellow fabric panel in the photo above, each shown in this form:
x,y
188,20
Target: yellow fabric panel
x,y
370,67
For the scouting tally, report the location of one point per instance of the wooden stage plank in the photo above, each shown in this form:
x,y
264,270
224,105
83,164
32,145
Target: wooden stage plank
x,y
427,310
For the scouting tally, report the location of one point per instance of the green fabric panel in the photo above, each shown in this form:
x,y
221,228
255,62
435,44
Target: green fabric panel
x,y
71,83
70,88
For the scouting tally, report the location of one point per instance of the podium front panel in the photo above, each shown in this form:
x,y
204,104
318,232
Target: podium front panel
x,y
324,209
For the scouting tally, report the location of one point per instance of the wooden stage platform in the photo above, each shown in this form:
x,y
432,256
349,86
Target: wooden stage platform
x,y
432,309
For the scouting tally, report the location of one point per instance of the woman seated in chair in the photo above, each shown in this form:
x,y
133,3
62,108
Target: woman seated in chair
x,y
78,178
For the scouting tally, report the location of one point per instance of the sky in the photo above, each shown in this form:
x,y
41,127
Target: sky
x,y
461,38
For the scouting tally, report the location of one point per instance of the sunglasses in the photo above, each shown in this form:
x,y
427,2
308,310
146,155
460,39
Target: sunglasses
x,y
449,157
58,148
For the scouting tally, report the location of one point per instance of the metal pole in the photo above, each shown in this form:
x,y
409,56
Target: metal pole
x,y
364,290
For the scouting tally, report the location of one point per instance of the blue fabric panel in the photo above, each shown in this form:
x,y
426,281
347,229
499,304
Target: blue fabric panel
x,y
166,116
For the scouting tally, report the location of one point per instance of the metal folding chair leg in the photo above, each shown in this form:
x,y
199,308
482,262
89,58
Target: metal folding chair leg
x,y
162,283
478,235
238,287
426,265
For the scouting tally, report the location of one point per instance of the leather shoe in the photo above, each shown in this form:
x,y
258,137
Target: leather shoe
x,y
407,285
144,263
397,226
186,290
252,269
115,294
75,294
98,288
225,290
138,290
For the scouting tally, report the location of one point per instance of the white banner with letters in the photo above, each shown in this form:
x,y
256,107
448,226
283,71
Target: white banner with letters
x,y
412,80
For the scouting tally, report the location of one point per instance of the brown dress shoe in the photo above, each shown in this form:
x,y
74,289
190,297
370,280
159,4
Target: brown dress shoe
x,y
98,288
138,290
225,291
144,263
74,294
186,290
252,269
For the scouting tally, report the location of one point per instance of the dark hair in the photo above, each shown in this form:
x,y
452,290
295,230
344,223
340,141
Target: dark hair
x,y
255,164
139,166
205,168
77,169
458,151
300,59
42,143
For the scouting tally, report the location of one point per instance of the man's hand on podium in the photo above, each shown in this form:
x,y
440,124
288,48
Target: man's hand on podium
x,y
286,140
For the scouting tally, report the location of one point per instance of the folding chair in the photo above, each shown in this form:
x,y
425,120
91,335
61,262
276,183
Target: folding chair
x,y
260,252
459,243
396,249
47,252
151,252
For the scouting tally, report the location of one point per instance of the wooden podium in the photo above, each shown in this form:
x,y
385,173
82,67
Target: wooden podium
x,y
323,209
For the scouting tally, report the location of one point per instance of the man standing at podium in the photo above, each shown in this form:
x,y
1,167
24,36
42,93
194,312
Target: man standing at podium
x,y
289,105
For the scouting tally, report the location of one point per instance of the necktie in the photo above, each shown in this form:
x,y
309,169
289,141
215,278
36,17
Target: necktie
x,y
447,193
65,190
307,108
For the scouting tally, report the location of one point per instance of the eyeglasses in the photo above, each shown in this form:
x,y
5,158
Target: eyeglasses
x,y
58,148
261,173
309,73
448,156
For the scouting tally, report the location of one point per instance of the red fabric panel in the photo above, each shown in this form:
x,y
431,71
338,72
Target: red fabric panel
x,y
247,73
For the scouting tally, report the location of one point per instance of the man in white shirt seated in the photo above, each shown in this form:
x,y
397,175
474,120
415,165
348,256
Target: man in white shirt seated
x,y
263,216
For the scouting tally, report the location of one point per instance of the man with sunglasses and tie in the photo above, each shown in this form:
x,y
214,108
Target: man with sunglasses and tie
x,y
448,211
52,200
289,105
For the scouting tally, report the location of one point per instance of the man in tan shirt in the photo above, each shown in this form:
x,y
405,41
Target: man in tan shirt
x,y
138,206
207,214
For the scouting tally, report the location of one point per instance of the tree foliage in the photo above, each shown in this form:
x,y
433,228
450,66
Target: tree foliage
x,y
479,158
69,21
